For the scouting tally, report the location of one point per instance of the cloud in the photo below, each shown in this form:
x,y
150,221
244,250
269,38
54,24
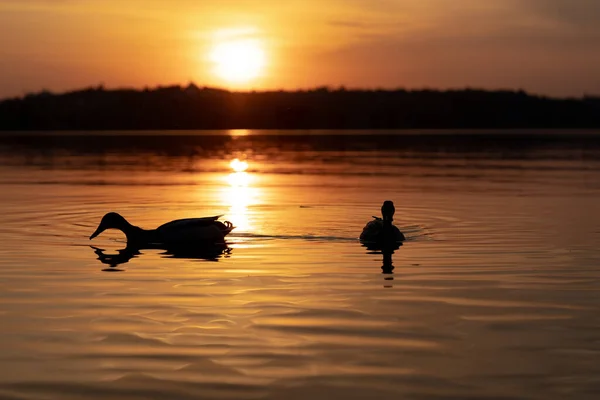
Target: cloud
x,y
576,13
548,46
349,24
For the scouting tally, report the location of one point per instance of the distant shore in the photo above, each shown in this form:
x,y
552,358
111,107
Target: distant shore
x,y
191,108
307,132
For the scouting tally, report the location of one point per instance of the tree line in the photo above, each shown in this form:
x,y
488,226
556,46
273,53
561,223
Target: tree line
x,y
192,107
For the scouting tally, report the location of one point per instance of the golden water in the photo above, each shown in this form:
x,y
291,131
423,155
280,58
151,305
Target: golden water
x,y
495,294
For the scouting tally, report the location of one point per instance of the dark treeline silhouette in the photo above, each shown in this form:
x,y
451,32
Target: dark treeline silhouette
x,y
190,107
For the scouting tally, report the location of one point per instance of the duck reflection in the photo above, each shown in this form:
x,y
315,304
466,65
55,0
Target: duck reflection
x,y
386,251
211,252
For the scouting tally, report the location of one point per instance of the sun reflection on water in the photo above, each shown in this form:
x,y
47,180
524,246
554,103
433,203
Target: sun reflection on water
x,y
238,132
238,166
240,195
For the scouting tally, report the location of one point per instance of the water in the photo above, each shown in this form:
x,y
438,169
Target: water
x,y
494,295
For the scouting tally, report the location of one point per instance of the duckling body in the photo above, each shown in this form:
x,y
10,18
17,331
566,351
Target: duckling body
x,y
377,231
179,232
381,230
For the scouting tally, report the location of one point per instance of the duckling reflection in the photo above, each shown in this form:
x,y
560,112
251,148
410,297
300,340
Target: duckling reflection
x,y
386,251
208,253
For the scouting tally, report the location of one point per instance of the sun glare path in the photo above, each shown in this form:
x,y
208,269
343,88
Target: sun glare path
x,y
239,132
238,60
240,195
238,166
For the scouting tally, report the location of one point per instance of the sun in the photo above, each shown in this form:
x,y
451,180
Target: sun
x,y
238,61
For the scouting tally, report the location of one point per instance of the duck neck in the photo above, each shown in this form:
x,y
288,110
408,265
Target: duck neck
x,y
133,233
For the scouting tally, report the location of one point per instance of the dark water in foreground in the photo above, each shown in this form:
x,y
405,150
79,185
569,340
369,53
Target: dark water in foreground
x,y
496,293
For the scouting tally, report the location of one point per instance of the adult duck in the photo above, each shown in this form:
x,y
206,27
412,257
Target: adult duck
x,y
189,231
380,230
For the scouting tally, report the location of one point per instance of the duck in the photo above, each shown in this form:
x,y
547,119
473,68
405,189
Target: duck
x,y
380,230
188,231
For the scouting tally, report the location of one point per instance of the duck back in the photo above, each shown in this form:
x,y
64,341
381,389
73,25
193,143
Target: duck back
x,y
191,230
375,231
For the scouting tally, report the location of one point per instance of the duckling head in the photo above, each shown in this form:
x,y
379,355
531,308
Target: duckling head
x,y
388,210
112,220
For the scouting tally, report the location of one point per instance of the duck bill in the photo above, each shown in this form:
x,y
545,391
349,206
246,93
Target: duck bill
x,y
97,232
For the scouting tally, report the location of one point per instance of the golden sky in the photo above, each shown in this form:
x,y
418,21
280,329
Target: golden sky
x,y
543,46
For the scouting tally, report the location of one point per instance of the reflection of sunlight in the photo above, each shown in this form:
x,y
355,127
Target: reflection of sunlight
x,y
238,132
238,166
239,179
240,195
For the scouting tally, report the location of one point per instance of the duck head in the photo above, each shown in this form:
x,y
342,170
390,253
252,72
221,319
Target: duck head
x,y
388,210
112,220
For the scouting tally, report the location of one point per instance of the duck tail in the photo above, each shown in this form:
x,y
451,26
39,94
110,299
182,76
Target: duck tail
x,y
228,227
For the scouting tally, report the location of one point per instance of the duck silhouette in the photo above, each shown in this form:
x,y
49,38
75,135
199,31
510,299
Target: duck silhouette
x,y
381,232
181,232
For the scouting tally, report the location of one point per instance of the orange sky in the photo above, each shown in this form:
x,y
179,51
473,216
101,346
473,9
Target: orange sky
x,y
543,46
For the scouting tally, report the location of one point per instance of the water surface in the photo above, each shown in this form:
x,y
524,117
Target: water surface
x,y
494,295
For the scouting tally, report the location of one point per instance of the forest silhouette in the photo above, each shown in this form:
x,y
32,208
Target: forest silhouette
x,y
192,107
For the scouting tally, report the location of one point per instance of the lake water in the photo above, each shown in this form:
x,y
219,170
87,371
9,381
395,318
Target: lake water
x,y
495,294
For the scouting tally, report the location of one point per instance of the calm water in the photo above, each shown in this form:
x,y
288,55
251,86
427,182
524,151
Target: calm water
x,y
496,293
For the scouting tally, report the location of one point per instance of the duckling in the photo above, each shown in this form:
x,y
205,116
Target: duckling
x,y
178,232
381,231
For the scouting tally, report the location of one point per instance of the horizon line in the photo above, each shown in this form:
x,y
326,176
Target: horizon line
x,y
329,88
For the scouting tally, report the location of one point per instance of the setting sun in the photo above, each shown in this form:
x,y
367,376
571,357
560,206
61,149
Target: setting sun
x,y
238,60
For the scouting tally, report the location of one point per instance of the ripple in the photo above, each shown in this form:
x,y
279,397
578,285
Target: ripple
x,y
492,295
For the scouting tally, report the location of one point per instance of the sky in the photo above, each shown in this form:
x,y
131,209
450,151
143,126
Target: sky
x,y
549,47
